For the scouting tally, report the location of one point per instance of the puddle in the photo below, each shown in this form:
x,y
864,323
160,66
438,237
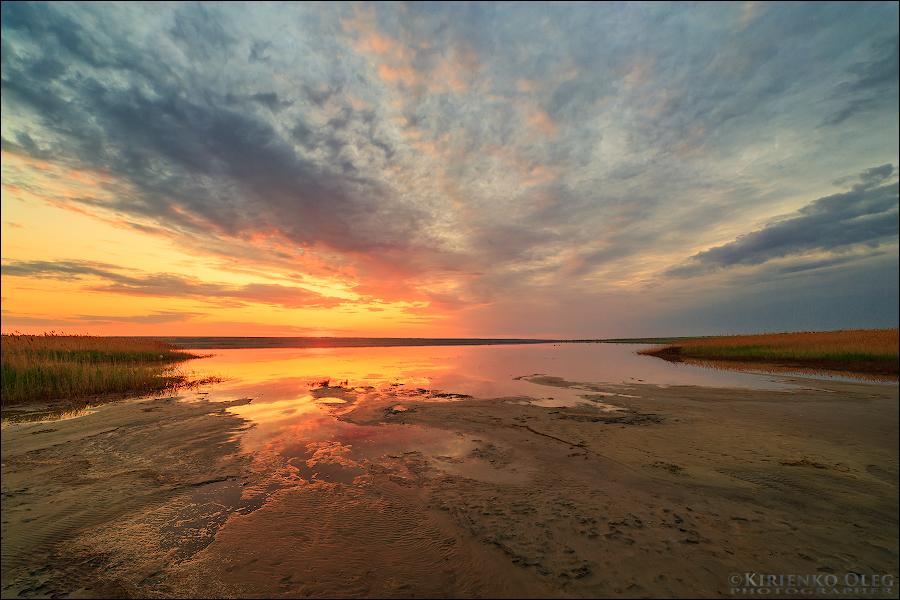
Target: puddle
x,y
45,414
320,447
188,523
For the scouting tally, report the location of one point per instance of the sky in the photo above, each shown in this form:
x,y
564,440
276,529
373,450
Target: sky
x,y
574,171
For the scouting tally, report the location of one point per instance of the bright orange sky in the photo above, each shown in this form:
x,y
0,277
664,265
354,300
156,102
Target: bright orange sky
x,y
562,171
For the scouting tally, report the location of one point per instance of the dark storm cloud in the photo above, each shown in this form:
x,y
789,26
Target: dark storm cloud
x,y
259,179
168,285
191,151
867,214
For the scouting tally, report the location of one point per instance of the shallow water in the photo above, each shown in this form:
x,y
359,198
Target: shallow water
x,y
434,373
298,395
479,371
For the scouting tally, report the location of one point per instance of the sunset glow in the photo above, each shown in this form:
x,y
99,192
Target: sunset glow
x,y
465,170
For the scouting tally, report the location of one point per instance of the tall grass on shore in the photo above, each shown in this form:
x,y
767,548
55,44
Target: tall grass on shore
x,y
861,350
50,366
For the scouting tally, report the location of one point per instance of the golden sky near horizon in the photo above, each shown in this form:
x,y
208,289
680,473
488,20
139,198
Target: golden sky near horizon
x,y
464,170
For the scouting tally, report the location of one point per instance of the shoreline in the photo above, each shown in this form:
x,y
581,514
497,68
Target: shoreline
x,y
863,352
875,369
665,497
238,342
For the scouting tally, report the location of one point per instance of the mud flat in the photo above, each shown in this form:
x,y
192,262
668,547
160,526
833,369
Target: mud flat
x,y
640,491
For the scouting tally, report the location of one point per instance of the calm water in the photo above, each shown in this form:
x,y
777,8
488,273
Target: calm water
x,y
288,376
273,374
296,418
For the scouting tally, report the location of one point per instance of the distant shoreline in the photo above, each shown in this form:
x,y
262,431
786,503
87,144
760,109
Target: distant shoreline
x,y
223,343
247,342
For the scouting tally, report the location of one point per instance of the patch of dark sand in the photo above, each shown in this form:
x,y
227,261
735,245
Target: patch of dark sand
x,y
690,485
89,471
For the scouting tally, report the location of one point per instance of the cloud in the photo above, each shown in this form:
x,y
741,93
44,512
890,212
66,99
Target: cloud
x,y
875,85
197,162
152,319
867,214
158,318
173,286
455,154
168,285
61,270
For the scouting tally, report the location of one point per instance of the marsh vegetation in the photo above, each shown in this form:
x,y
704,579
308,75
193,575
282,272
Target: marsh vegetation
x,y
872,351
50,366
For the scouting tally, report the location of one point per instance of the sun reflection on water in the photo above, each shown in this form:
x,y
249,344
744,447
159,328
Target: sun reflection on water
x,y
298,396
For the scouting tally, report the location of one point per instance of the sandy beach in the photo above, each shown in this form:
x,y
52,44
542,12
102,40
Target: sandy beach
x,y
646,491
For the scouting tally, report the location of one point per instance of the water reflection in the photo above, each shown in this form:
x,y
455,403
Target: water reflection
x,y
298,396
480,371
29,414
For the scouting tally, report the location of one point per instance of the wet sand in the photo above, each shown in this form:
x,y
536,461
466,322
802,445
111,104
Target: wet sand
x,y
644,491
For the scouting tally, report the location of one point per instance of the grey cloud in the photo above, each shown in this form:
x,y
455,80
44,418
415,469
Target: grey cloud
x,y
270,101
168,285
876,83
61,270
867,214
190,150
860,293
874,176
318,97
853,107
702,77
882,72
198,22
803,265
259,51
43,21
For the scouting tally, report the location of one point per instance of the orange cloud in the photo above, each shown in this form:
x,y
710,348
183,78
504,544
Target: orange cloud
x,y
11,157
542,122
639,73
394,59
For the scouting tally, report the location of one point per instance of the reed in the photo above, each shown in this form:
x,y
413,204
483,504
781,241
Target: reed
x,y
864,350
50,366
